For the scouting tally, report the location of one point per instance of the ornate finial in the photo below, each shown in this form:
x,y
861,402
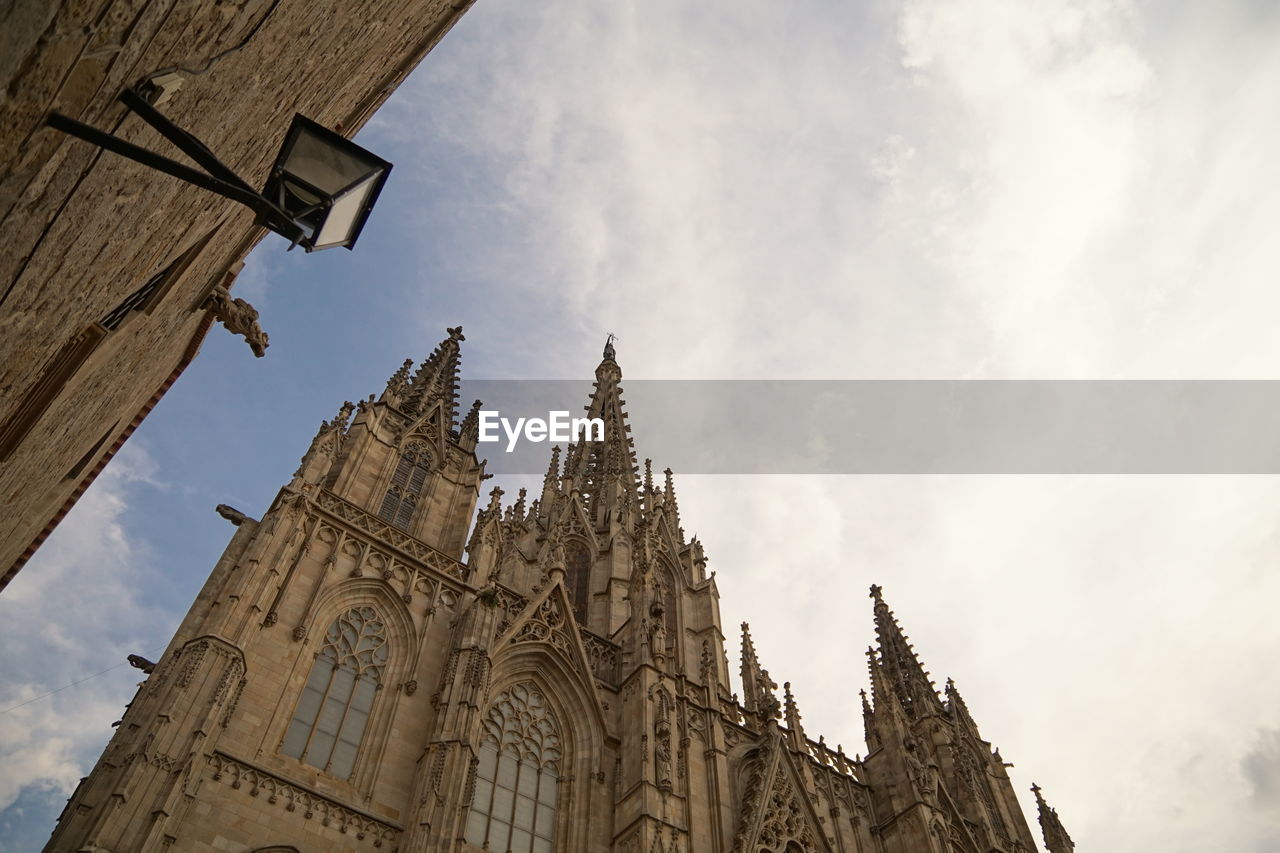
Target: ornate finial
x,y
792,714
470,427
875,592
344,415
495,499
609,352
455,334
398,380
553,469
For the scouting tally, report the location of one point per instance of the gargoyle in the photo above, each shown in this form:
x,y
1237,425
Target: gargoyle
x,y
239,317
139,662
231,514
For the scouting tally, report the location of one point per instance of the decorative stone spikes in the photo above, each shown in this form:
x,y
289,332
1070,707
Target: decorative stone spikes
x,y
518,510
572,465
551,480
899,665
324,449
792,716
469,431
648,482
956,705
343,417
398,381
495,502
596,464
437,378
699,556
1056,839
669,500
757,686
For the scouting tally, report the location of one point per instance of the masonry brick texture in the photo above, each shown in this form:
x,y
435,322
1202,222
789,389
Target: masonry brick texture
x,y
83,229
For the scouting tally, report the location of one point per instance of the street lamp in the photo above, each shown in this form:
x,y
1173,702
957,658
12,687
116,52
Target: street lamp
x,y
318,194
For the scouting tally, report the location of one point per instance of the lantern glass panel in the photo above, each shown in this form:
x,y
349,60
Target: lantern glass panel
x,y
345,215
323,165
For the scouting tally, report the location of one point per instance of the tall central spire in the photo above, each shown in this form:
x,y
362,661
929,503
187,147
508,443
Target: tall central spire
x,y
437,377
606,470
898,665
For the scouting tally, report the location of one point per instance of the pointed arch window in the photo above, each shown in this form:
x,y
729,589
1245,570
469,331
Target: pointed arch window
x,y
329,721
578,558
410,476
514,806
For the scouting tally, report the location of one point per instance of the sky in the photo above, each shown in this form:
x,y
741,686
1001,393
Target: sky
x,y
745,190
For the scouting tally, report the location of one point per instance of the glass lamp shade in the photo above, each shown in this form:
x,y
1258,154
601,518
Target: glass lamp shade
x,y
325,183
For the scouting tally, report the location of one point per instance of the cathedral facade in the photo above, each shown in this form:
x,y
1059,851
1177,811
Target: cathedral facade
x,y
346,682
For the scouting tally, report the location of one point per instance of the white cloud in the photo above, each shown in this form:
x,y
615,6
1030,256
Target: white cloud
x,y
83,597
1073,188
920,189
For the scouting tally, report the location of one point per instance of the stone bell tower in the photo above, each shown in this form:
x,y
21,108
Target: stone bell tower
x,y
287,708
345,682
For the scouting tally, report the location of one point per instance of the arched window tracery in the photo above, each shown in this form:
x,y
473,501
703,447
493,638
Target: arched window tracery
x,y
578,570
410,476
514,806
333,710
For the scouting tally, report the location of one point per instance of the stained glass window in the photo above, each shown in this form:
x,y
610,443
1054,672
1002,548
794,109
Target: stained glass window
x,y
578,557
333,710
514,807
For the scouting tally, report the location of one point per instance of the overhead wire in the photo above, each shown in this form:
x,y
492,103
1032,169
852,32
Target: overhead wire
x,y
73,684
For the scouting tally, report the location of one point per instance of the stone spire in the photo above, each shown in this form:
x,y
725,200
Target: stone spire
x,y
896,659
397,384
604,470
1056,839
469,431
437,378
669,500
792,715
551,480
956,706
757,687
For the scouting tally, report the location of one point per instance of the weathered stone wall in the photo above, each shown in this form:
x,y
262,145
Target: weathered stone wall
x,y
83,229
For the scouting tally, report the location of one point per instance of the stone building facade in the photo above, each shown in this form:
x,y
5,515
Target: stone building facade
x,y
345,681
111,273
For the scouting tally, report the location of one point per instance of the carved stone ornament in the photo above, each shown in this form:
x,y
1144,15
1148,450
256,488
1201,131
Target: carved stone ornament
x,y
239,318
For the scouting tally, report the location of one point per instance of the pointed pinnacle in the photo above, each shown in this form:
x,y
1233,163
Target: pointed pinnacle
x,y
344,415
792,715
471,423
553,467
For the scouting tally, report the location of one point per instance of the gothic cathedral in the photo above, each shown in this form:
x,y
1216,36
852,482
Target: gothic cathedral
x,y
346,682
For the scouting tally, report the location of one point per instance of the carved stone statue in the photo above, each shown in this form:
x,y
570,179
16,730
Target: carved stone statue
x,y
231,514
139,662
239,317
